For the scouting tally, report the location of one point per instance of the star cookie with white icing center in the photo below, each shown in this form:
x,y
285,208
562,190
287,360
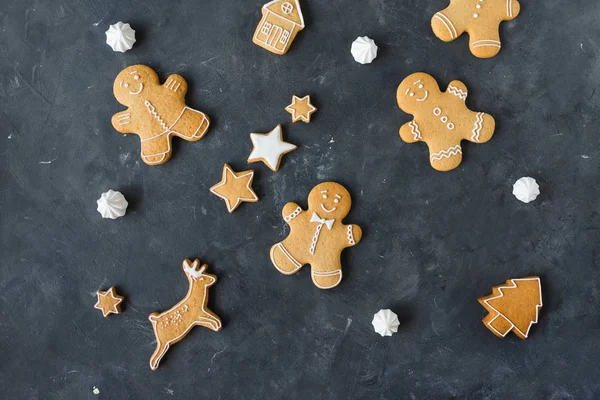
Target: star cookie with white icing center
x,y
235,188
109,302
269,148
301,109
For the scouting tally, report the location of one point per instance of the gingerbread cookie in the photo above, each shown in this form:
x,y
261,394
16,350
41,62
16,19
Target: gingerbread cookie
x,y
269,148
109,302
173,325
514,306
442,120
235,188
301,109
317,236
156,112
281,21
480,19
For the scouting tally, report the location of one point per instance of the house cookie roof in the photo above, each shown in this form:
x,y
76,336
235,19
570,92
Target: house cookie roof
x,y
295,16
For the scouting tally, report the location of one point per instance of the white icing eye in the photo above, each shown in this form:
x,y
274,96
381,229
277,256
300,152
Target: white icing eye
x,y
126,85
420,86
324,196
411,94
475,15
478,6
336,201
136,77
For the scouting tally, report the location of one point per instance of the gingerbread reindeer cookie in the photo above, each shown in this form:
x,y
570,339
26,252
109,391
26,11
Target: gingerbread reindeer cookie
x,y
480,19
317,236
156,112
173,325
442,120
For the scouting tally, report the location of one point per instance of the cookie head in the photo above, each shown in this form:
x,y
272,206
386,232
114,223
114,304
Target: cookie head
x,y
132,82
415,90
329,200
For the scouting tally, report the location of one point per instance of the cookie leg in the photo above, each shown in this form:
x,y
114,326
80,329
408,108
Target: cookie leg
x,y
158,355
326,278
191,125
283,261
156,150
446,159
485,46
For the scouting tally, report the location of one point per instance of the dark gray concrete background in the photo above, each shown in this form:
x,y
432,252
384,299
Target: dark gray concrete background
x,y
434,242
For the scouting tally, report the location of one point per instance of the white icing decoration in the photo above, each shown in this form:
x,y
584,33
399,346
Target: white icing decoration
x,y
509,8
437,111
486,43
193,270
270,147
364,50
414,129
278,28
457,92
351,236
120,37
228,172
293,215
385,322
526,189
321,221
478,126
450,152
112,205
449,25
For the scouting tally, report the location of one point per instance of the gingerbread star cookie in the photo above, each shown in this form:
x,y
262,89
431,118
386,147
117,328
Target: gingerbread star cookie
x,y
301,109
441,119
269,148
173,325
235,188
514,306
480,19
109,302
156,112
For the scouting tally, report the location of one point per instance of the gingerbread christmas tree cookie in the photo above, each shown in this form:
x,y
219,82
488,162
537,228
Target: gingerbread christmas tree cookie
x,y
173,325
480,19
281,21
514,306
156,112
317,235
441,119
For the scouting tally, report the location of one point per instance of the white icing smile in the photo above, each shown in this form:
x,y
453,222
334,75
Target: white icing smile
x,y
424,97
139,90
326,210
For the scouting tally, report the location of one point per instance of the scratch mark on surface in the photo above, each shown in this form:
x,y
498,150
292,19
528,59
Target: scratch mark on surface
x,y
585,156
169,391
49,162
214,356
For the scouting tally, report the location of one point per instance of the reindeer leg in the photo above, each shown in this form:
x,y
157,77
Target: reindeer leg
x,y
211,321
158,354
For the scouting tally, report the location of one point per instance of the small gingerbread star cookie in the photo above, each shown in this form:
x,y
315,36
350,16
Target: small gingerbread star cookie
x,y
301,109
235,188
269,148
109,302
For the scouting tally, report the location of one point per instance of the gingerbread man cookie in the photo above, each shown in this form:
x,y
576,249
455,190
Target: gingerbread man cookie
x,y
442,120
173,325
480,19
156,112
317,236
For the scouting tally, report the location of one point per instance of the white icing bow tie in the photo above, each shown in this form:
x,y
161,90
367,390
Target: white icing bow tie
x,y
327,222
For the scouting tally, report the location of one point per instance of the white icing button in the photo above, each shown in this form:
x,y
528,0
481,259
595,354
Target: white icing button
x,y
437,111
478,6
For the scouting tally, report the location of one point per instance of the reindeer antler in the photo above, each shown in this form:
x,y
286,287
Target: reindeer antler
x,y
193,270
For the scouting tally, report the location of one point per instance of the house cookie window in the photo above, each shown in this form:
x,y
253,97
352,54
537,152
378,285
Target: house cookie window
x,y
287,8
266,28
284,37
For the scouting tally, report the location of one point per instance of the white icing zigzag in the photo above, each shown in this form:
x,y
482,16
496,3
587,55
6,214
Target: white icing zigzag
x,y
414,129
477,127
152,111
457,92
451,152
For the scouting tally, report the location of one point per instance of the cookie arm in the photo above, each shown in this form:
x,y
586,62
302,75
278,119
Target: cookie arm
x,y
458,91
512,10
123,121
176,84
411,132
353,235
482,129
290,212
